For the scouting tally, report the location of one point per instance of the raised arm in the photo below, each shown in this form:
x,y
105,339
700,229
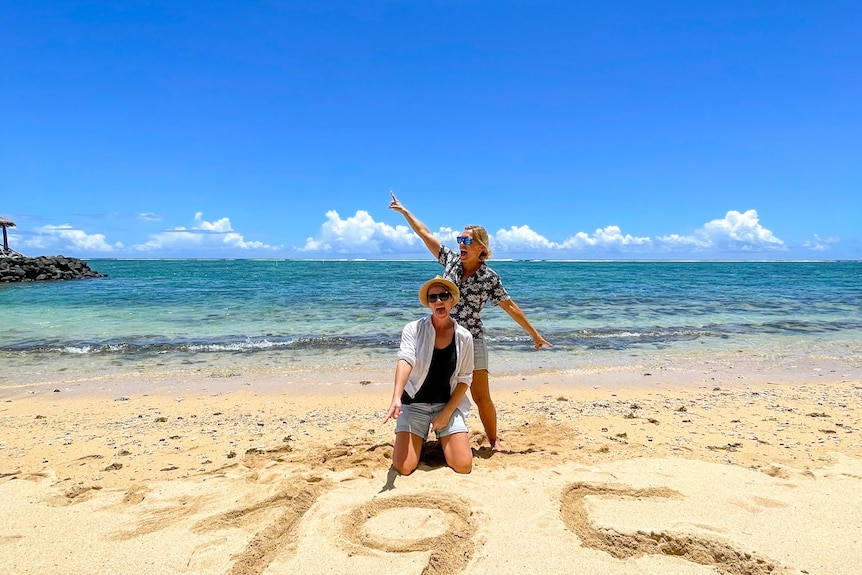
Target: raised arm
x,y
515,312
421,230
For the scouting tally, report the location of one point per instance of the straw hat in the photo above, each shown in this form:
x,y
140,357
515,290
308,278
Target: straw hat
x,y
441,281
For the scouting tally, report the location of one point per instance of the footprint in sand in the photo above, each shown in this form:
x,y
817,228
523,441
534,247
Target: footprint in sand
x,y
755,504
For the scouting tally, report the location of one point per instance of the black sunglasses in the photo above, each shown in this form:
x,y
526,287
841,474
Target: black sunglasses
x,y
432,297
466,240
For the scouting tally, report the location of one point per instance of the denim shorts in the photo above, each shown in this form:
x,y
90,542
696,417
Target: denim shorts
x,y
416,418
480,354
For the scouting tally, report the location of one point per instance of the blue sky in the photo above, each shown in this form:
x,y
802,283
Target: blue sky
x,y
570,130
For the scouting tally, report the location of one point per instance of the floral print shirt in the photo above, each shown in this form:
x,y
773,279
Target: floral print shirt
x,y
484,285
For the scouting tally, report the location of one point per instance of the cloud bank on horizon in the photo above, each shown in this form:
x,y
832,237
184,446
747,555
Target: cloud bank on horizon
x,y
737,232
737,235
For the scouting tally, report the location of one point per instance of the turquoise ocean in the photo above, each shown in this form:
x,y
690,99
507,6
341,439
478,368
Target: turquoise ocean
x,y
150,315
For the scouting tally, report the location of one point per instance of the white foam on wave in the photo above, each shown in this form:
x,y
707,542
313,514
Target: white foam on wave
x,y
242,345
79,350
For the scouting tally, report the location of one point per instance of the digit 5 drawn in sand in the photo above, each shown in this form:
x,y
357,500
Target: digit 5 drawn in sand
x,y
689,547
450,552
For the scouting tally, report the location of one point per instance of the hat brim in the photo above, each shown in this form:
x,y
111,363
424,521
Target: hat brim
x,y
441,281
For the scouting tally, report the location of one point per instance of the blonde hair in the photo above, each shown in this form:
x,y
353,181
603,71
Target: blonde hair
x,y
480,236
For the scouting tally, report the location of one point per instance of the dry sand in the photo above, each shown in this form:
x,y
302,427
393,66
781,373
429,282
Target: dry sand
x,y
607,478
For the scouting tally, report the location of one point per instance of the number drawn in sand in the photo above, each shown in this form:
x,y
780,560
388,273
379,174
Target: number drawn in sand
x,y
277,537
451,550
692,548
446,529
159,517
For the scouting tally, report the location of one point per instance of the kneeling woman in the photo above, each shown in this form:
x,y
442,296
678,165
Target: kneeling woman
x,y
435,368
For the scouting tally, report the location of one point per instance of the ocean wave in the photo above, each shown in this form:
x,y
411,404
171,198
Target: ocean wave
x,y
230,345
509,336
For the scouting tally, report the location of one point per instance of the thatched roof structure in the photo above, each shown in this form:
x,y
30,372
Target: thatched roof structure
x,y
6,223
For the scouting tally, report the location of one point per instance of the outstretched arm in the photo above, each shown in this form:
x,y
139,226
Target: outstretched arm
x,y
402,372
515,312
421,230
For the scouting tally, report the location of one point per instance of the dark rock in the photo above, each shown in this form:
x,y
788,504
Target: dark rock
x,y
44,268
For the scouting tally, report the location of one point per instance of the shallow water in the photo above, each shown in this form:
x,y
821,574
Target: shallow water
x,y
277,315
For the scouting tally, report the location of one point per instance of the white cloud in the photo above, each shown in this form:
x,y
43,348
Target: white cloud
x,y
523,239
736,232
610,237
215,235
676,241
742,231
361,234
818,244
65,237
150,217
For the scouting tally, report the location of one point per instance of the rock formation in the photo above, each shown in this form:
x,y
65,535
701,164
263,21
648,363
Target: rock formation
x,y
44,268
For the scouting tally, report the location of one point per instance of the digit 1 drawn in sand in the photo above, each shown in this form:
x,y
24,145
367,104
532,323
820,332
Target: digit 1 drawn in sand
x,y
689,547
451,551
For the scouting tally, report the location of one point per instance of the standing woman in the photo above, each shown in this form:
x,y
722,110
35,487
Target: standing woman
x,y
434,370
478,284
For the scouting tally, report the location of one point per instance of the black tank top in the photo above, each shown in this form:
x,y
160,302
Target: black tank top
x,y
436,388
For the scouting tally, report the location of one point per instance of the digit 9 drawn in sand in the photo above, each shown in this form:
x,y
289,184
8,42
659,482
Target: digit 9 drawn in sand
x,y
620,545
451,550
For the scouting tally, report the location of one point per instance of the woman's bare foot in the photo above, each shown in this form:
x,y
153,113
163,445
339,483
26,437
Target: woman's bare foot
x,y
500,446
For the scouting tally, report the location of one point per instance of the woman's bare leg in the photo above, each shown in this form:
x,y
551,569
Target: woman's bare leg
x,y
481,394
405,455
456,450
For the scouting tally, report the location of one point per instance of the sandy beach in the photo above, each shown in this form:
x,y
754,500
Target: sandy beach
x,y
614,474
